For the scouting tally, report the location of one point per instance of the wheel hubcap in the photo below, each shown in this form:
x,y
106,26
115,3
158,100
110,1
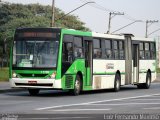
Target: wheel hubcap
x,y
77,85
117,84
148,82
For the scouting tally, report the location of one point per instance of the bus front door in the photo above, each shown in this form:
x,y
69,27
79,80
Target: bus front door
x,y
135,48
88,61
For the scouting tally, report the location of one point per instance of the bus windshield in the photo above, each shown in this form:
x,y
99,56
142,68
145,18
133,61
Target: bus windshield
x,y
35,53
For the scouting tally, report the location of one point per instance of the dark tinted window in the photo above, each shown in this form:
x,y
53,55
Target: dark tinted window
x,y
96,43
78,41
108,44
141,46
146,46
121,45
115,43
78,50
147,50
97,48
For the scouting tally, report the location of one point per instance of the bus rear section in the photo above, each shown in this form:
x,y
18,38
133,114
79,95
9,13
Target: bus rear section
x,y
123,60
34,59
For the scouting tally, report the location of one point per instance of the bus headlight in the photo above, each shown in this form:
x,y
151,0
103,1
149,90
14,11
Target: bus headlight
x,y
14,75
53,75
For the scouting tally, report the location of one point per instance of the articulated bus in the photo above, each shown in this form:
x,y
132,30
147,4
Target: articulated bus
x,y
72,60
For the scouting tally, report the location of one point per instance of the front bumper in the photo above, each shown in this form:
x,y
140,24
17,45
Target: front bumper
x,y
35,83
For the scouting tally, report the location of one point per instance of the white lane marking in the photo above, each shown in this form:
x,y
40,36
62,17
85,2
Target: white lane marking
x,y
155,96
152,108
146,99
69,105
127,104
65,110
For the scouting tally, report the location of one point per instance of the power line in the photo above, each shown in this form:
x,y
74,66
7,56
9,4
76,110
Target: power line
x,y
154,31
126,16
100,7
127,25
147,25
74,10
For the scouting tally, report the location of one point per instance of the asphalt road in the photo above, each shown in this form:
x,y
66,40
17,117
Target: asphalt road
x,y
128,100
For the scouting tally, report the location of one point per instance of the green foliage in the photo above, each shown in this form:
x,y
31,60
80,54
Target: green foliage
x,y
158,70
4,74
13,16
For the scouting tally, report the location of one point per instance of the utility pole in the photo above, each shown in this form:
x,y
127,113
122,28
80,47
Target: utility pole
x,y
53,14
111,15
147,25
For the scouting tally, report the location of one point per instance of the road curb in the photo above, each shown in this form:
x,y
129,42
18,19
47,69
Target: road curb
x,y
156,81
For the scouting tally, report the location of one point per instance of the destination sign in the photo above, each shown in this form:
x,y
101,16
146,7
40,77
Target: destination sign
x,y
38,34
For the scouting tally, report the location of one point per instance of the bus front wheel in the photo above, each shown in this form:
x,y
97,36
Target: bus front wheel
x,y
33,92
77,86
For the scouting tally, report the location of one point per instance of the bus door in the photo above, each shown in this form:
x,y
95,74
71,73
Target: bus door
x,y
88,47
135,53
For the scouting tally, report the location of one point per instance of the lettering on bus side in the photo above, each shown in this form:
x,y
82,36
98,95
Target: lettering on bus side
x,y
109,66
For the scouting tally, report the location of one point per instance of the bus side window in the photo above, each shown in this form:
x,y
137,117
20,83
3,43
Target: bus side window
x,y
141,48
78,47
108,49
115,48
67,49
121,50
152,50
97,48
67,52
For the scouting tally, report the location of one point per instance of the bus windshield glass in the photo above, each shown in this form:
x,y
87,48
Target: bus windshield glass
x,y
35,53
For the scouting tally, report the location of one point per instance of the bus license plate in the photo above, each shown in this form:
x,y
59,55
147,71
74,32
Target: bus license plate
x,y
32,82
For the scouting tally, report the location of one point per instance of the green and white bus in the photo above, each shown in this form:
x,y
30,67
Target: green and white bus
x,y
67,59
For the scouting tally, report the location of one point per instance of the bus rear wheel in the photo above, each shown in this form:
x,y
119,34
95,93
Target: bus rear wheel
x,y
117,83
147,84
77,86
33,92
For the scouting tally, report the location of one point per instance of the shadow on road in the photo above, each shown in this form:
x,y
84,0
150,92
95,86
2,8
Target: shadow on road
x,y
59,93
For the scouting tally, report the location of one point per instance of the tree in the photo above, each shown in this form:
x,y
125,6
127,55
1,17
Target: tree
x,y
13,16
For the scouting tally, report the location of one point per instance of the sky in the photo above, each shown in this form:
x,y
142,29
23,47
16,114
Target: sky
x,y
96,15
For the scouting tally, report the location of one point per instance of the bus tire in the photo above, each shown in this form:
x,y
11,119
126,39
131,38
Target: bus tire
x,y
148,81
33,92
140,86
147,84
117,83
77,86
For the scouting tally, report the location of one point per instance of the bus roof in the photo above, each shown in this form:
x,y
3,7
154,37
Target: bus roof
x,y
119,36
53,29
142,39
76,32
110,36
